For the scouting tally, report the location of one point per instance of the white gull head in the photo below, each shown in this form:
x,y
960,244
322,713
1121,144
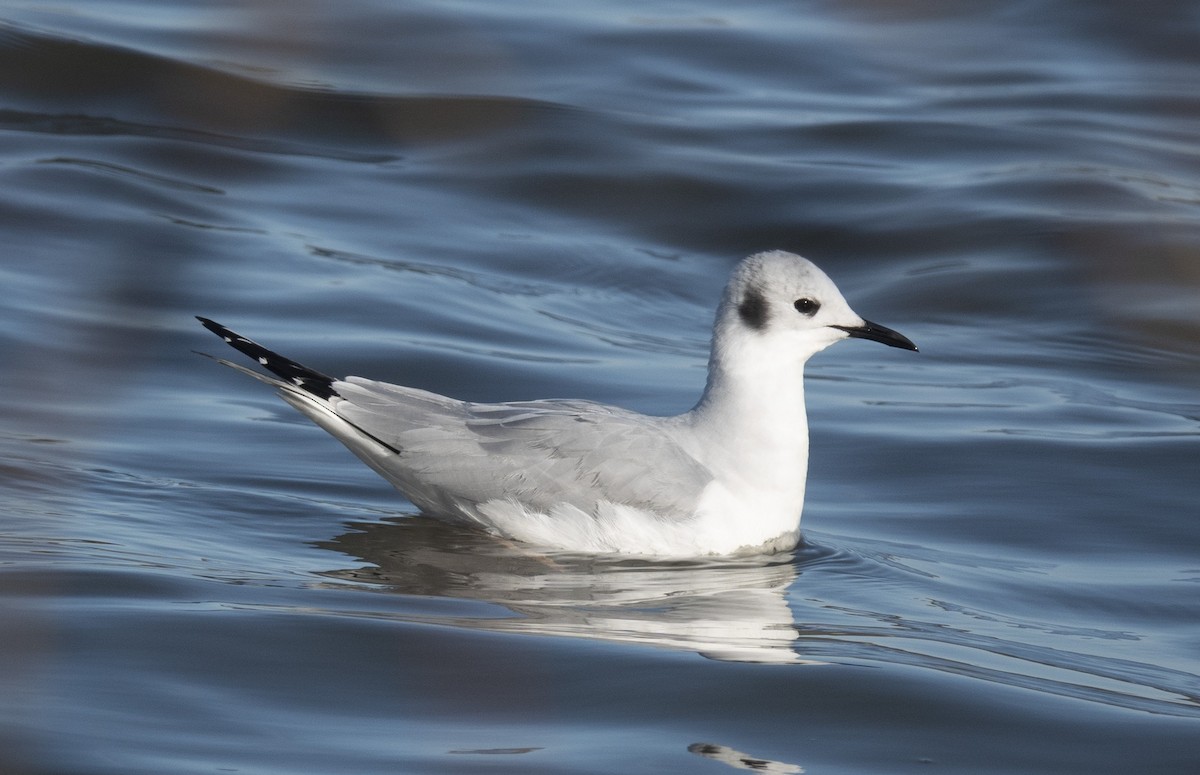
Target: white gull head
x,y
779,310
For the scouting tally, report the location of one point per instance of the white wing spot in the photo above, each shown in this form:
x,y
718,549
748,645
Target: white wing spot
x,y
263,361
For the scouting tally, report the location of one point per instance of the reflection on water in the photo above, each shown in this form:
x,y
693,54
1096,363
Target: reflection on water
x,y
742,761
797,607
728,609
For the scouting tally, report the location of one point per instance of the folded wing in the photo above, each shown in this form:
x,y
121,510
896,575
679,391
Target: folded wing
x,y
449,456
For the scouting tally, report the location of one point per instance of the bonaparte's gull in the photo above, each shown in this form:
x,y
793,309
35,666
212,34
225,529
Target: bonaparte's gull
x,y
726,477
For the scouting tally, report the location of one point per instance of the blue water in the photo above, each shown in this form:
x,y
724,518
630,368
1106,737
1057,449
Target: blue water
x,y
1001,550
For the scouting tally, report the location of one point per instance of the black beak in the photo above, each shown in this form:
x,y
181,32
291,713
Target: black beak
x,y
878,333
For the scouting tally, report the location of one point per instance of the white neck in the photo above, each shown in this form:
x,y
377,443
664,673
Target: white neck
x,y
752,415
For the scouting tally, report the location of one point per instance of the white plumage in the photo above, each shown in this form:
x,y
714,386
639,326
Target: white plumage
x,y
726,477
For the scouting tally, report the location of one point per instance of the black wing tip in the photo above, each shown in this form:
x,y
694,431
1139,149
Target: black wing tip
x,y
218,329
309,380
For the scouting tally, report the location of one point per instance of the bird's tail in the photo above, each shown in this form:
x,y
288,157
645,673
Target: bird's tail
x,y
309,391
289,372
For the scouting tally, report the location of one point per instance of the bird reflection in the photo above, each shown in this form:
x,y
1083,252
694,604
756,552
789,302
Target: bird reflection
x,y
742,761
731,609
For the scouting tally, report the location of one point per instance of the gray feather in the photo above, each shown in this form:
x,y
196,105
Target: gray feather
x,y
540,453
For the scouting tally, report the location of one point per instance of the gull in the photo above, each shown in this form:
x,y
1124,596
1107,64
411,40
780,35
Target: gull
x,y
726,477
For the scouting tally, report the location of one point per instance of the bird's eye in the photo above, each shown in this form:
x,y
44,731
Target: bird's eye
x,y
807,307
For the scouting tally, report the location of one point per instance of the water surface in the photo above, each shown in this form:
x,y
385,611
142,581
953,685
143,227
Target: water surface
x,y
1000,560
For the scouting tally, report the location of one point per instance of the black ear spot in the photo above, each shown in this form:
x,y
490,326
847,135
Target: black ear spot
x,y
807,307
753,309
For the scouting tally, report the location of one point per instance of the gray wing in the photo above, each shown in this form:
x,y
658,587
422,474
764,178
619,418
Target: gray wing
x,y
450,454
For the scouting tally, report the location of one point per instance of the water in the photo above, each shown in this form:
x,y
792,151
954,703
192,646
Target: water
x,y
502,201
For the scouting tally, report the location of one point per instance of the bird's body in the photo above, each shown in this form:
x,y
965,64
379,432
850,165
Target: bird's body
x,y
726,477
